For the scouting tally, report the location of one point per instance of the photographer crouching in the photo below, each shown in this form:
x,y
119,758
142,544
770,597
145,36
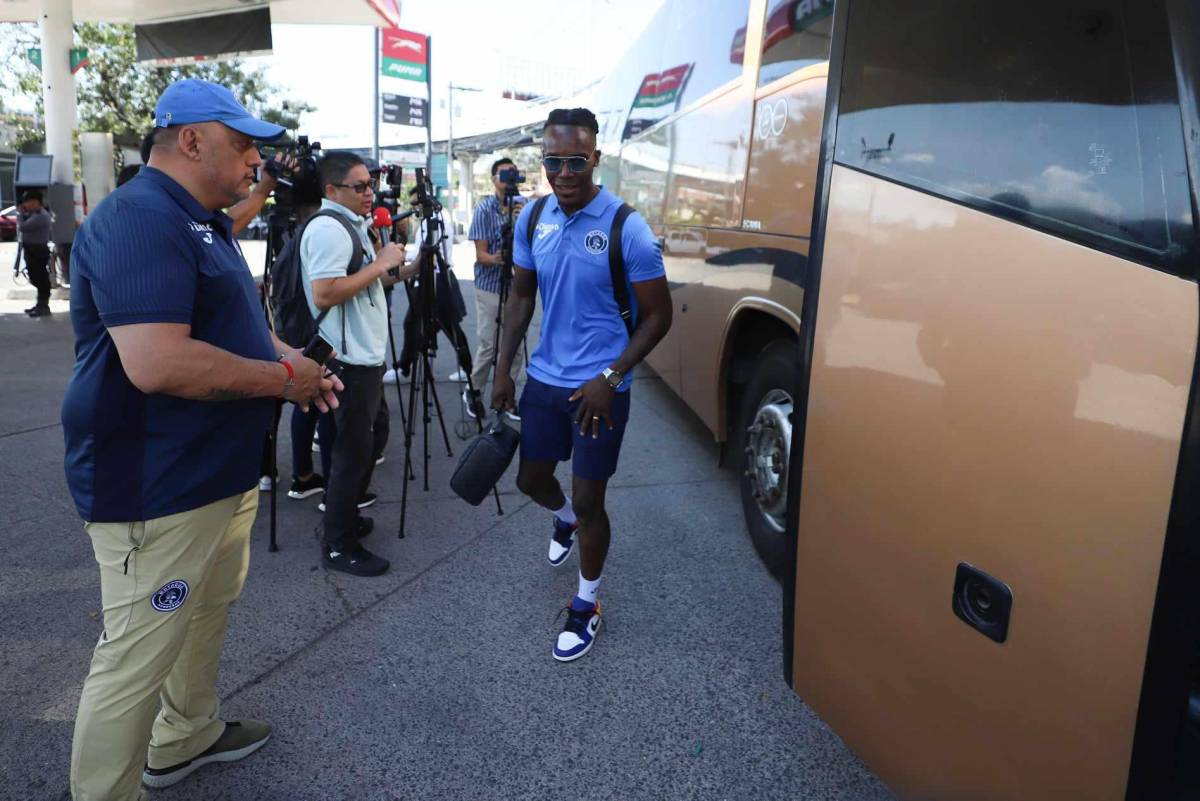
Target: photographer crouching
x,y
343,280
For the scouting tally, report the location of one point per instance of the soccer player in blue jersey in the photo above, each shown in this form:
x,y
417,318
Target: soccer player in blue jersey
x,y
602,313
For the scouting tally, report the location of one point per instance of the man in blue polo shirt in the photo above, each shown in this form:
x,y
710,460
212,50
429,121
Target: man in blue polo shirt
x,y
175,378
576,400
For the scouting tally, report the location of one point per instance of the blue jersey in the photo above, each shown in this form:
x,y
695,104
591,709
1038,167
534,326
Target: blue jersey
x,y
150,253
582,330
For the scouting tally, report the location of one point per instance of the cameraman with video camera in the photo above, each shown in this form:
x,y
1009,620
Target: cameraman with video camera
x,y
487,226
343,280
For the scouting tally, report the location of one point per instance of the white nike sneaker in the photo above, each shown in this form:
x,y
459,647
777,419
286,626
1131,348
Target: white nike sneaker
x,y
578,634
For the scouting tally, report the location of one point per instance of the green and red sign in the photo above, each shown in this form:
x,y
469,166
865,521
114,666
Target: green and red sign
x,y
662,88
404,55
79,57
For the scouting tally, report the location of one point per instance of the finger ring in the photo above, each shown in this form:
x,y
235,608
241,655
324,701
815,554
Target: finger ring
x,y
595,417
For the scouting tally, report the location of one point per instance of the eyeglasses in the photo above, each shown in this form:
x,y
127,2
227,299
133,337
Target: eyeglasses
x,y
359,188
576,164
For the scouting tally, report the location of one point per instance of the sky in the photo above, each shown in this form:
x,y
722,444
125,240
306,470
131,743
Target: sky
x,y
481,44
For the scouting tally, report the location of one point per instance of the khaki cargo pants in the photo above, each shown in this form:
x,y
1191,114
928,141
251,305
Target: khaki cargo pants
x,y
166,586
487,304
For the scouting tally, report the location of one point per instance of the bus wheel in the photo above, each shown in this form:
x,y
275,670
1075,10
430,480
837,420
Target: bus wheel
x,y
766,444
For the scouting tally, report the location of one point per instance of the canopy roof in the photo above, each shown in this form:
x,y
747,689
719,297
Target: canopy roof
x,y
385,13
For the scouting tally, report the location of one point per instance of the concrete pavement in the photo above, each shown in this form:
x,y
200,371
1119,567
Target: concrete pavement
x,y
436,681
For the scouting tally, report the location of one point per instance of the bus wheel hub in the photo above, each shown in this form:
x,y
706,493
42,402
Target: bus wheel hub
x,y
768,446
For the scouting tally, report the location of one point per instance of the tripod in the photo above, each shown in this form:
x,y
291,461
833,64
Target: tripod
x,y
281,226
422,300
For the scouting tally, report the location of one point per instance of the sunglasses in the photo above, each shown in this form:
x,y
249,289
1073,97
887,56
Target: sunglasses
x,y
359,188
576,164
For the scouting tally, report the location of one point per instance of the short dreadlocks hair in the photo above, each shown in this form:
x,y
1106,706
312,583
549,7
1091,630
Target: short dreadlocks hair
x,y
580,117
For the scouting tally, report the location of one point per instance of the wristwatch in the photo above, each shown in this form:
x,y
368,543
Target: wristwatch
x,y
613,378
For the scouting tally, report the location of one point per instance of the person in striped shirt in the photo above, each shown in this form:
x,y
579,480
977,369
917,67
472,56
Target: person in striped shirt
x,y
487,225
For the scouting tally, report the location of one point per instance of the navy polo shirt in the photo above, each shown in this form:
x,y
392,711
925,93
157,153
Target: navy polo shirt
x,y
582,330
150,253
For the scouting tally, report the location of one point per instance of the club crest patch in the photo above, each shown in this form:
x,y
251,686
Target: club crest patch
x,y
170,596
596,242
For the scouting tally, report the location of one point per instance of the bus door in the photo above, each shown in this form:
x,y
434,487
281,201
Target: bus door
x,y
996,469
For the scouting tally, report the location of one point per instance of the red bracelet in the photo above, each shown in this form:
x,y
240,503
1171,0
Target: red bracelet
x,y
291,379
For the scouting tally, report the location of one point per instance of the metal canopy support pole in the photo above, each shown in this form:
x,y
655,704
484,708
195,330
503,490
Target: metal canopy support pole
x,y
450,168
469,181
428,105
377,99
58,87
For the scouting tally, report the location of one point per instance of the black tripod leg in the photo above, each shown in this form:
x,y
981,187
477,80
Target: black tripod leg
x,y
273,472
396,371
437,403
408,442
425,419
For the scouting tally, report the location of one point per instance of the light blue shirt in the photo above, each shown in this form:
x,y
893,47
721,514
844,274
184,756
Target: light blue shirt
x,y
325,252
582,330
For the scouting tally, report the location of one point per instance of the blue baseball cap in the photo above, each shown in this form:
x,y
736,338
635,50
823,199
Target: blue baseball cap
x,y
189,100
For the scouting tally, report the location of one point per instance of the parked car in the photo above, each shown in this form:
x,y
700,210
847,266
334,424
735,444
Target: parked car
x,y
8,224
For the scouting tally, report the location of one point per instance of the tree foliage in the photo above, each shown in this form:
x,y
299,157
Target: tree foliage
x,y
116,94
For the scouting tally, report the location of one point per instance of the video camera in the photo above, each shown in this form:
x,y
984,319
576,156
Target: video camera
x,y
426,202
392,197
511,176
298,185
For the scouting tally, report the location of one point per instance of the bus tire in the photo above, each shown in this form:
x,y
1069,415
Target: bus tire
x,y
764,440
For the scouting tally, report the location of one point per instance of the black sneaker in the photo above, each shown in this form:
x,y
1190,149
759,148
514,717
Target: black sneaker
x,y
39,311
368,499
238,741
306,487
356,562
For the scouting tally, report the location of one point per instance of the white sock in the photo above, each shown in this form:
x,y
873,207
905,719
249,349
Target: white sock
x,y
588,589
566,513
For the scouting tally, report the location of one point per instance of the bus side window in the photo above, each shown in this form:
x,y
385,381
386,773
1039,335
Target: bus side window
x,y
796,34
1066,119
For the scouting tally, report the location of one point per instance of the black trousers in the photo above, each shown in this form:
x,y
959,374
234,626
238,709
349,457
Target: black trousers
x,y
353,460
36,259
383,425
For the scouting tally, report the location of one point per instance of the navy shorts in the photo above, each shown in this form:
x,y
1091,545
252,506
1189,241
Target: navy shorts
x,y
549,431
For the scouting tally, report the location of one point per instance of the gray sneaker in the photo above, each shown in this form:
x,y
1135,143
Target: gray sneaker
x,y
239,740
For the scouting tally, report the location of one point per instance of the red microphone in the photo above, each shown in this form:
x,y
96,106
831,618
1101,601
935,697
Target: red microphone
x,y
381,218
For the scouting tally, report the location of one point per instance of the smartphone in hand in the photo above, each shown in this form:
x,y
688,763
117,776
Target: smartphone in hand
x,y
318,350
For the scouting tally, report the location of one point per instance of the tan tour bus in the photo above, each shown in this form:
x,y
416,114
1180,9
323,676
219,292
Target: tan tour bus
x,y
711,127
993,585
949,305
